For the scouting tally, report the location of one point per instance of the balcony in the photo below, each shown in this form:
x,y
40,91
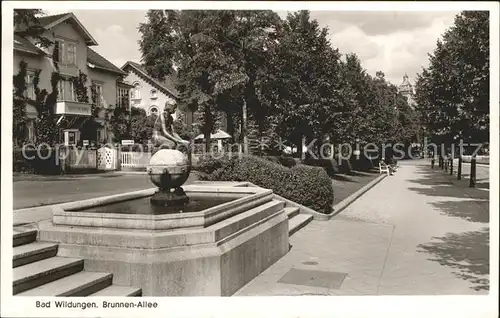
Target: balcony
x,y
66,107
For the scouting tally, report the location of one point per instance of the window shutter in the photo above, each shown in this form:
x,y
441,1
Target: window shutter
x,y
62,53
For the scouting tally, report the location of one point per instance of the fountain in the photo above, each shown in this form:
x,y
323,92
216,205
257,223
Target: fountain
x,y
206,239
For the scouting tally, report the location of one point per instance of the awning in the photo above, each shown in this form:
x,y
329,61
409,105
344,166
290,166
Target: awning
x,y
220,134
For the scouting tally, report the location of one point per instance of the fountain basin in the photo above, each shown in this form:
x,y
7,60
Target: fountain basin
x,y
124,212
211,252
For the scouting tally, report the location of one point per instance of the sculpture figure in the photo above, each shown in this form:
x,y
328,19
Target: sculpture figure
x,y
170,164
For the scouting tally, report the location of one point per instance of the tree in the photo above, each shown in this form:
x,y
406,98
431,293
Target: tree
x,y
452,94
468,43
359,127
141,125
119,122
46,130
90,126
307,91
217,54
26,24
187,40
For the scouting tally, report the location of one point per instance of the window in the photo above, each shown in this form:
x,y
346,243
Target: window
x,y
153,110
71,54
66,53
31,130
99,98
66,90
154,94
136,92
123,97
60,90
71,91
30,87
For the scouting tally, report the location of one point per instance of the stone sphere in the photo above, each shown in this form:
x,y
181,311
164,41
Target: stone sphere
x,y
169,168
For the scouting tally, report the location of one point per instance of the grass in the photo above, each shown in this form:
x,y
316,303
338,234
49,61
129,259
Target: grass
x,y
345,185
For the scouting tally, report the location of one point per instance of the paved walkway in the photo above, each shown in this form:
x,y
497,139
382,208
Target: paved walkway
x,y
415,233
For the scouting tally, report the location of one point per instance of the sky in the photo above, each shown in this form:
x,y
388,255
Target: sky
x,y
396,43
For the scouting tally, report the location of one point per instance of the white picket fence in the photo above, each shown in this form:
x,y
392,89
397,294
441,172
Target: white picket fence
x,y
134,161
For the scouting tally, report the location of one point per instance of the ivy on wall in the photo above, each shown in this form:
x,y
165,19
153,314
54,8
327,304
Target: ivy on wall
x,y
19,105
81,89
46,129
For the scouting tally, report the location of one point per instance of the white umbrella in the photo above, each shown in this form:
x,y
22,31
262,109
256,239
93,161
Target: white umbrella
x,y
220,134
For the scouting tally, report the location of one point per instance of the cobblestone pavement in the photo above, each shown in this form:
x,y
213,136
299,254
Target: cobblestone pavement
x,y
415,233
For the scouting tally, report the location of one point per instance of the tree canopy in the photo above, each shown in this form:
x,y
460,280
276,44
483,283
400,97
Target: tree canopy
x,y
285,73
452,93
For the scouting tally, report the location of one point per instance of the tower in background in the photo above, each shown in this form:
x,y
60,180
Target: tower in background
x,y
406,89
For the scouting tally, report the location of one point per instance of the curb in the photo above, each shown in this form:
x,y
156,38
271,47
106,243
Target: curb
x,y
339,207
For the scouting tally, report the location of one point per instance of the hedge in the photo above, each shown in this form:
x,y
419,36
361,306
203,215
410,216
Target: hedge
x,y
309,186
287,161
31,161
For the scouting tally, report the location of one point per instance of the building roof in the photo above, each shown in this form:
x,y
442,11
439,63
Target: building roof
x,y
51,21
96,60
24,45
100,62
167,86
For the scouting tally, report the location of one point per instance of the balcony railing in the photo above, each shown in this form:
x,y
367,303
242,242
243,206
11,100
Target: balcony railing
x,y
66,107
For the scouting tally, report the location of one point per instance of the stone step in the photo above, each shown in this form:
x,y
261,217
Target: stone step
x,y
298,222
45,271
76,285
118,291
32,252
21,237
291,211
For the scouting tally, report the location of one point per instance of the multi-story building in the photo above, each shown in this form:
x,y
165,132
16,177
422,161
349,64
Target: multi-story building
x,y
73,55
151,94
148,93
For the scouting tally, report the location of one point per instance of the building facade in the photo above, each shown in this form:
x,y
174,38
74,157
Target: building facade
x,y
151,95
72,51
148,93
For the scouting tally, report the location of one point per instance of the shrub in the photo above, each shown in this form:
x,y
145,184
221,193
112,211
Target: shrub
x,y
284,160
309,186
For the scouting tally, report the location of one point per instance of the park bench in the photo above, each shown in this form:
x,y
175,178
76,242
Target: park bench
x,y
383,168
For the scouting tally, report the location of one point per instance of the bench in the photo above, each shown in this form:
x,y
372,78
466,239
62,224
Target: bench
x,y
383,168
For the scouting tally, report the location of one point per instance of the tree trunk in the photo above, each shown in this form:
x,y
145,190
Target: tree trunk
x,y
230,124
459,169
207,142
244,129
300,144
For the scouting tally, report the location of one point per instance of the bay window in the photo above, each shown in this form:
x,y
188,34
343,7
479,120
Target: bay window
x,y
66,90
